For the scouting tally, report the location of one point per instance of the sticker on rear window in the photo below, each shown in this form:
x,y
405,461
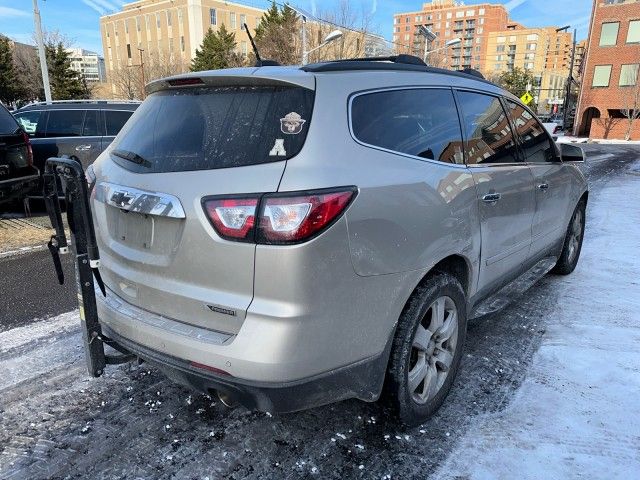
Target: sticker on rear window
x,y
292,123
278,149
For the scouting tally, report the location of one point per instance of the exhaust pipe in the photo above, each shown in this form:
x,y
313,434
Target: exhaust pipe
x,y
226,399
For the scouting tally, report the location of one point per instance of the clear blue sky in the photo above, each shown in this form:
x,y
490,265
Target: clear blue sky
x,y
78,19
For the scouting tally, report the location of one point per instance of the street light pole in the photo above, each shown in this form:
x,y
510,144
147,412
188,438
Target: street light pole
x,y
41,53
569,82
142,73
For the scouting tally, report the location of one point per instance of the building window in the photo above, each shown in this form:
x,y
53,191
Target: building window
x,y
449,15
418,18
628,75
147,21
501,39
138,23
601,75
243,47
532,36
243,20
212,16
633,35
233,20
168,18
460,14
182,43
531,46
126,27
609,33
157,20
470,13
481,11
512,39
128,51
180,16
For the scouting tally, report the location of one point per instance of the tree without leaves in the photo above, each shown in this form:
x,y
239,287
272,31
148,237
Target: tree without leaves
x,y
631,101
217,51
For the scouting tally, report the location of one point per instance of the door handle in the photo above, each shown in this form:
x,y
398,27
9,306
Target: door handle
x,y
543,186
83,148
491,197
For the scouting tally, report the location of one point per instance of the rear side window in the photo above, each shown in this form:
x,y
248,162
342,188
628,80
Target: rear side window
x,y
8,124
90,128
115,120
32,122
489,136
536,144
215,127
65,123
419,122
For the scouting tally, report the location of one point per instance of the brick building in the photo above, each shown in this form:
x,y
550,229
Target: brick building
x,y
450,19
610,96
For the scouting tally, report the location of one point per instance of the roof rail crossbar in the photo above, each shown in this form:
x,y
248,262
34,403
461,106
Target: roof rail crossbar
x,y
401,58
90,100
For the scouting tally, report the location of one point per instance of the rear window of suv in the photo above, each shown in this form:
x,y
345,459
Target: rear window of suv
x,y
214,127
8,124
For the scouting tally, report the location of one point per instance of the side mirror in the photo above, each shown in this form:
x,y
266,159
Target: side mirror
x,y
571,153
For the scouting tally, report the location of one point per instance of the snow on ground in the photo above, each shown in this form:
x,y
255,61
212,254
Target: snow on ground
x,y
577,414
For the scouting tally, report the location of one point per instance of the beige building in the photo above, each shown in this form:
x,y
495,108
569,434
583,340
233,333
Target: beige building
x,y
542,51
166,33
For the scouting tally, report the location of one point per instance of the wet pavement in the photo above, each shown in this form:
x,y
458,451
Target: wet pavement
x,y
133,423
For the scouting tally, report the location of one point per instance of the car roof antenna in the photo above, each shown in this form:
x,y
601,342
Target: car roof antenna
x,y
259,61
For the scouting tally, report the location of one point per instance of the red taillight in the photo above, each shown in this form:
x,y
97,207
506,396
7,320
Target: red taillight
x,y
290,219
182,82
209,368
25,137
284,218
233,218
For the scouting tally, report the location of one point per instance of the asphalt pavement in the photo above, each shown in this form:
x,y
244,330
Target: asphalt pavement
x,y
133,423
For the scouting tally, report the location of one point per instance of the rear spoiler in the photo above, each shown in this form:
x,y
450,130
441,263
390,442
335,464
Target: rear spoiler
x,y
252,76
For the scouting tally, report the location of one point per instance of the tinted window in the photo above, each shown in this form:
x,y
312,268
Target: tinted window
x,y
489,137
8,124
420,122
115,121
90,128
65,123
536,144
206,128
31,122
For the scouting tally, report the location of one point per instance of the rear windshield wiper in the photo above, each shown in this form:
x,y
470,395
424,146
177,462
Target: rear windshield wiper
x,y
132,157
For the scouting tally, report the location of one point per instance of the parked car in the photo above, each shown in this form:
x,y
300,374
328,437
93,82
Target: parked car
x,y
79,129
17,173
553,128
289,237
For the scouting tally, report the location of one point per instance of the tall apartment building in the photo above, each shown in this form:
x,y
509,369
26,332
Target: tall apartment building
x,y
543,51
88,64
450,19
169,31
610,89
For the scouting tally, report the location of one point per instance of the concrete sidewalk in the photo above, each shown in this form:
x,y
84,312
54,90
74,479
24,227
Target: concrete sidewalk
x,y
577,414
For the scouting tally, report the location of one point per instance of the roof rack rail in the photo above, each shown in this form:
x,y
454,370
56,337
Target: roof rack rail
x,y
88,100
393,63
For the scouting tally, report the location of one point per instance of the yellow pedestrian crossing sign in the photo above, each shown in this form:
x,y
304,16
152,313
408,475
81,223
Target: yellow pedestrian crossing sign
x,y
526,98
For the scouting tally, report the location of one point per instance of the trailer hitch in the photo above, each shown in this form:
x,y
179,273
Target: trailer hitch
x,y
87,258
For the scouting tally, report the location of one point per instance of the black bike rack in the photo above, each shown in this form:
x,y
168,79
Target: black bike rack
x,y
87,258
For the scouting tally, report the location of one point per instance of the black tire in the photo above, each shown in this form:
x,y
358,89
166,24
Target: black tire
x,y
417,312
569,258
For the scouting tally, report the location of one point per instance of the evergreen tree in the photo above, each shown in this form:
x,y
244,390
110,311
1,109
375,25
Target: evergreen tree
x,y
217,51
516,81
66,84
9,88
276,36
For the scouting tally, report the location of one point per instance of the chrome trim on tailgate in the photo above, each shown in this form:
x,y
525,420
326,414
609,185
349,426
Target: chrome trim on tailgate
x,y
140,201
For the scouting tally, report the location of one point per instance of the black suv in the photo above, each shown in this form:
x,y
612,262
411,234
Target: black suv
x,y
79,129
17,173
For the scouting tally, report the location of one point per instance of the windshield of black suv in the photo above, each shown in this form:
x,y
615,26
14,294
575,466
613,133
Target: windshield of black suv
x,y
8,124
214,127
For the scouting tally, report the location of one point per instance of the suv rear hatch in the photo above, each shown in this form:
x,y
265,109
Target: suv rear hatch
x,y
16,157
192,139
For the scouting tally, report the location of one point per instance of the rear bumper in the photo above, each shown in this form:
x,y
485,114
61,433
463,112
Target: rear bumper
x,y
18,187
361,380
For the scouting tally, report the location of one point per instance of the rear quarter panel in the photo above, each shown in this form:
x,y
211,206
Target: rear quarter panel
x,y
410,213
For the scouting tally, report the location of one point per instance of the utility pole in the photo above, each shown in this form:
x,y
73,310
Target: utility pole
x,y
567,93
142,73
305,54
41,53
